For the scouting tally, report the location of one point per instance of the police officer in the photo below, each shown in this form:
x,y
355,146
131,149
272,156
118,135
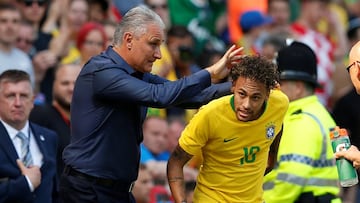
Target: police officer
x,y
306,170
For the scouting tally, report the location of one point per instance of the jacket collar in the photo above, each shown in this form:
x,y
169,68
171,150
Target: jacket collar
x,y
297,105
113,55
8,146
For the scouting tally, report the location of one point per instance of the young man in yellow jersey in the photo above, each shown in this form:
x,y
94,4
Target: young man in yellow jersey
x,y
238,136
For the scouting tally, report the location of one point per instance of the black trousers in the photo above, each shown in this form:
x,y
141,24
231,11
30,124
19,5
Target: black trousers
x,y
308,197
78,190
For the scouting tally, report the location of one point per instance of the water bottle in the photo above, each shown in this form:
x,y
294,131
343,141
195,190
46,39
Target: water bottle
x,y
340,142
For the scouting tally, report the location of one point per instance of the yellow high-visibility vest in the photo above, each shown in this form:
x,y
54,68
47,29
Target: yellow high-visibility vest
x,y
305,160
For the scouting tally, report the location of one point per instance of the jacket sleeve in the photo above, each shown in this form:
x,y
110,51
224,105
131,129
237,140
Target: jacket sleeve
x,y
214,91
115,85
15,190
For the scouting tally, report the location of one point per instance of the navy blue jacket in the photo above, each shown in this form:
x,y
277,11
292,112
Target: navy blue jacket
x,y
13,185
109,106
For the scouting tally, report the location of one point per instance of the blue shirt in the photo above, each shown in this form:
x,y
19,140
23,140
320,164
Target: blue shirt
x,y
109,106
146,155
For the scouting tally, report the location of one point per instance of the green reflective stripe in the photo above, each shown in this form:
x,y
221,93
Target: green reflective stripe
x,y
300,181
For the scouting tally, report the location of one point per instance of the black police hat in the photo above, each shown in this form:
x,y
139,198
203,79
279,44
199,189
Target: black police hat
x,y
298,62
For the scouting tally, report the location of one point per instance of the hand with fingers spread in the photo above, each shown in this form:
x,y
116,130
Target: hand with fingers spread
x,y
221,69
33,173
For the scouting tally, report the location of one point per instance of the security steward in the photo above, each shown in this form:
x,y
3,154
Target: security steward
x,y
305,171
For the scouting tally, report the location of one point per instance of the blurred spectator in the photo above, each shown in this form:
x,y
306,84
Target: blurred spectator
x,y
64,20
253,24
236,9
91,40
334,25
54,15
209,56
56,116
43,59
109,28
25,42
160,194
279,10
34,12
125,6
10,56
154,157
205,19
103,10
154,147
180,42
304,29
161,8
353,8
143,185
271,45
26,38
71,21
99,10
176,126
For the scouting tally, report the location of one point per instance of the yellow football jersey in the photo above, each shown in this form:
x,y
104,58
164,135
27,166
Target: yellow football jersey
x,y
235,153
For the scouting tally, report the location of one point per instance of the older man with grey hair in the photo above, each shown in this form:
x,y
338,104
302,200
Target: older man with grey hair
x,y
109,105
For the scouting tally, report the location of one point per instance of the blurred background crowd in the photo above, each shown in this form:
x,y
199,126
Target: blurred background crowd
x,y
52,39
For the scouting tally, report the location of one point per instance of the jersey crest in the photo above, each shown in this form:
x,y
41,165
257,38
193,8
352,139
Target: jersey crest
x,y
270,131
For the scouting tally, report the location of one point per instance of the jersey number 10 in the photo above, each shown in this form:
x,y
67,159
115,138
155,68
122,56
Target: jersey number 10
x,y
249,154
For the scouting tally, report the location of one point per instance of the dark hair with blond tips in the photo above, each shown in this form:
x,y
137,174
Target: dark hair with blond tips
x,y
257,68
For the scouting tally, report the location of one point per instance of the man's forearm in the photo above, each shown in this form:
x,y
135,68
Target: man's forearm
x,y
176,181
175,173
